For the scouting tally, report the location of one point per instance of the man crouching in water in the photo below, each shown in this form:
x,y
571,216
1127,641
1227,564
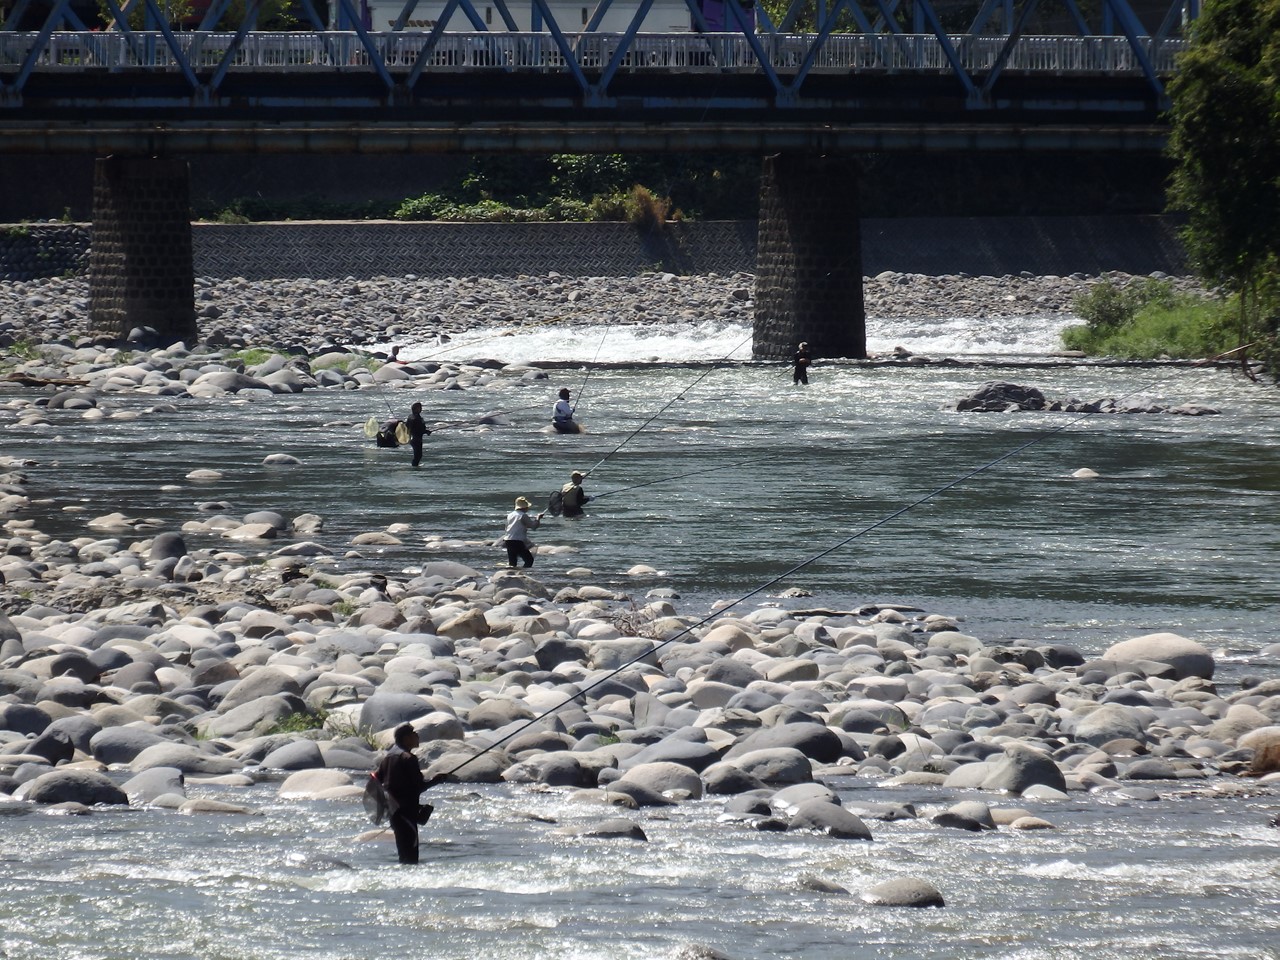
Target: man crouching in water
x,y
402,779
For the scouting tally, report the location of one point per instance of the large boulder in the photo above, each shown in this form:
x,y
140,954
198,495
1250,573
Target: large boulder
x,y
1021,768
776,765
150,785
829,818
122,744
1186,657
665,778
23,718
71,786
263,682
815,741
1109,722
384,711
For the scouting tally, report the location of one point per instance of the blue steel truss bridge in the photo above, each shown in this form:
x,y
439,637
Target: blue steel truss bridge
x,y
447,75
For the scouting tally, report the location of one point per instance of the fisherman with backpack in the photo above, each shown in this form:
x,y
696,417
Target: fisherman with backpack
x,y
399,783
573,497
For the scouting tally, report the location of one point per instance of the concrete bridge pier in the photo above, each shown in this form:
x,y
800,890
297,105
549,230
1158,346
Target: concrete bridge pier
x,y
141,272
809,259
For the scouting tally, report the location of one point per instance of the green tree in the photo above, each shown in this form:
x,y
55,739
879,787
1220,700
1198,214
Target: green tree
x,y
1225,143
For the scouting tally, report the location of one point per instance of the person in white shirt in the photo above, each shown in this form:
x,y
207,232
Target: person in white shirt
x,y
562,415
516,539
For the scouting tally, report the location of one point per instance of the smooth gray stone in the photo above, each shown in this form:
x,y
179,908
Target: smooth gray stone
x,y
146,786
23,718
798,793
641,795
812,739
776,765
75,664
957,821
256,717
167,546
554,769
384,711
54,745
696,756
80,730
904,892
299,754
1150,769
753,802
71,786
185,757
618,829
1021,768
829,818
262,682
1107,723
728,778
731,672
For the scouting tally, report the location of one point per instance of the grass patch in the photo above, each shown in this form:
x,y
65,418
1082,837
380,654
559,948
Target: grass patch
x,y
1149,320
252,356
300,723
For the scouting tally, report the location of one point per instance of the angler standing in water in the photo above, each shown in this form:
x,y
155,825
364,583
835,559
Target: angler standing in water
x,y
417,430
403,782
562,414
516,538
573,497
801,361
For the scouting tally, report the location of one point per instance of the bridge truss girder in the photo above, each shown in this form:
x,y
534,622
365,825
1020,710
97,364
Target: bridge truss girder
x,y
594,85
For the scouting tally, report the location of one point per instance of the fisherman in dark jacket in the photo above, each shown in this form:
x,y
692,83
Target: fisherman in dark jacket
x,y
417,430
402,779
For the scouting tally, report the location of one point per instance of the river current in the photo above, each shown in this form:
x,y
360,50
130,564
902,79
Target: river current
x,y
1180,531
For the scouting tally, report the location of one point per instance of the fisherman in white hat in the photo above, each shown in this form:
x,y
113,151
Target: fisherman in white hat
x,y
516,539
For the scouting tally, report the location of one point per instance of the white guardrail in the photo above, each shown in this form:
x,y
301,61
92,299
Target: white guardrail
x,y
676,53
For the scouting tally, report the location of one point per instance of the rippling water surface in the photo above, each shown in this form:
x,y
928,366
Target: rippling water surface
x,y
1180,532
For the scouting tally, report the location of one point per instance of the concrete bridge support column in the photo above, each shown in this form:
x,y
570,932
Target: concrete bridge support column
x,y
809,259
141,272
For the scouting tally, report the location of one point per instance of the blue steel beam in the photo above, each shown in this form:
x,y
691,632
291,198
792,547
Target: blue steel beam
x,y
376,61
251,18
923,7
121,20
433,41
51,23
1133,29
599,91
1002,58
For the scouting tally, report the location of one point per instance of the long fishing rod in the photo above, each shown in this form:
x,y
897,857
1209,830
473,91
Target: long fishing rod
x,y
679,396
963,478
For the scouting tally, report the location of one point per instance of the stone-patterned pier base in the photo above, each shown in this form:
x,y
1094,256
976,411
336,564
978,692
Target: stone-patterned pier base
x,y
809,259
140,264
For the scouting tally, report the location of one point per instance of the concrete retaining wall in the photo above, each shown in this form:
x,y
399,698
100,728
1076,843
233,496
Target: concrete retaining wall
x,y
934,246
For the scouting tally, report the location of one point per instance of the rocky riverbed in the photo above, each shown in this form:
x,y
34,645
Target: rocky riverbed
x,y
316,315
138,663
134,665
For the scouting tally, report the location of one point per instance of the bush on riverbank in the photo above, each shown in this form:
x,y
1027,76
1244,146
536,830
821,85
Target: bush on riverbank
x,y
1148,320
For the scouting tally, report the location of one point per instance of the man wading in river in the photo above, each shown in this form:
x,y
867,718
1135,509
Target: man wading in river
x,y
403,782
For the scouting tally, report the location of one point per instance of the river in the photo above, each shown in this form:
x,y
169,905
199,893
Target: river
x,y
1181,532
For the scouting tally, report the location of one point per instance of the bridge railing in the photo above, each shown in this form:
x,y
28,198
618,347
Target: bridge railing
x,y
329,51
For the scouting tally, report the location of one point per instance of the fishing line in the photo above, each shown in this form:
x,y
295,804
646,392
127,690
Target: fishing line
x,y
574,408
679,396
925,498
681,476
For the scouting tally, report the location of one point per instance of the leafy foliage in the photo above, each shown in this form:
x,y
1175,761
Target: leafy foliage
x,y
1148,320
1226,144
